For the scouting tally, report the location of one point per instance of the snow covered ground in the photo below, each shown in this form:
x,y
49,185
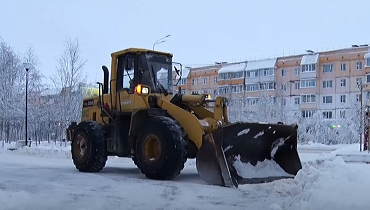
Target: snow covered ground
x,y
44,177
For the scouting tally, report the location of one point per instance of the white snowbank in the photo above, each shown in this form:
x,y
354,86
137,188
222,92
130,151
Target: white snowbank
x,y
320,185
332,185
325,183
318,146
270,167
45,150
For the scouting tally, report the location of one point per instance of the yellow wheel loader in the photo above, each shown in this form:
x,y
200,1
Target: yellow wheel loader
x,y
137,115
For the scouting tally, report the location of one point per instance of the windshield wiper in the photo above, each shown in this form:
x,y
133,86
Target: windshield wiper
x,y
161,88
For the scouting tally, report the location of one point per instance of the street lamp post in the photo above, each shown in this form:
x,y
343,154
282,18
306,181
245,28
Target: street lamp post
x,y
160,41
361,86
27,66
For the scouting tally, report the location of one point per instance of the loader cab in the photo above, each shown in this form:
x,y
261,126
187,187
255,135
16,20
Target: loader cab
x,y
146,68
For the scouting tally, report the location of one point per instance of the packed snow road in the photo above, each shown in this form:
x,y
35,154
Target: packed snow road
x,y
29,181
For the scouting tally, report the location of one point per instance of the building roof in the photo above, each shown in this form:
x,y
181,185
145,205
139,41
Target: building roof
x,y
310,59
261,64
232,68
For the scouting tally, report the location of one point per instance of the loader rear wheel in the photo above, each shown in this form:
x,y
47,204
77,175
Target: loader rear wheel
x,y
89,148
161,148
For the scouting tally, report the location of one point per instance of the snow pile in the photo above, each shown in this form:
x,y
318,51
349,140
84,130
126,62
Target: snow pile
x,y
45,150
331,185
318,146
351,153
267,167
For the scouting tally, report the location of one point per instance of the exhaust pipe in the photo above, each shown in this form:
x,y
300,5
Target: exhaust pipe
x,y
106,77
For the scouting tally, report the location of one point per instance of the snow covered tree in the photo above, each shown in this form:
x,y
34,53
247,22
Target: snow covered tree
x,y
12,103
68,80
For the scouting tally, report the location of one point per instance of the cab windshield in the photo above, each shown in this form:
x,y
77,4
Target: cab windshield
x,y
160,67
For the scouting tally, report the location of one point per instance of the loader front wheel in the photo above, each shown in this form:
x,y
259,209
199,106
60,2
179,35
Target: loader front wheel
x,y
89,148
161,148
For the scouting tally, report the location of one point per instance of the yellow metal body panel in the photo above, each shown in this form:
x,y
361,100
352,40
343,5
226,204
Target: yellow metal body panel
x,y
138,50
188,121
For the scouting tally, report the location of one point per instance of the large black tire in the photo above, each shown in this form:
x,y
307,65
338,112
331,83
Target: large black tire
x,y
89,147
134,159
172,139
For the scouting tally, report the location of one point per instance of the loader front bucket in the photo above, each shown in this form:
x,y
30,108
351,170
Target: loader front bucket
x,y
243,153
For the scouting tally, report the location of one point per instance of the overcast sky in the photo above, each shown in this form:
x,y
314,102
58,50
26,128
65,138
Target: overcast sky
x,y
202,31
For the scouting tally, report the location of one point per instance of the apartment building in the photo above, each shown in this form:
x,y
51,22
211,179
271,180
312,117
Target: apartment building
x,y
182,81
326,82
260,80
204,80
231,79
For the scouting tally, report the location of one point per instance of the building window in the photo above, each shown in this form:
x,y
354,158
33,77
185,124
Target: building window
x,y
214,91
367,78
308,83
283,72
195,92
268,86
342,114
307,113
223,90
195,81
343,98
266,72
358,97
251,87
359,65
342,82
183,81
214,79
327,99
328,115
342,67
367,94
252,74
327,68
237,88
368,61
297,70
297,85
308,98
359,80
252,101
205,80
327,84
296,101
284,101
283,86
309,68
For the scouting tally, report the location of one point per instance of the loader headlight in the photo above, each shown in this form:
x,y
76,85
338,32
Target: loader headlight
x,y
145,90
141,89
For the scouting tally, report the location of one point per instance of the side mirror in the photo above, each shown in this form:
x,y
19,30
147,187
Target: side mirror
x,y
178,72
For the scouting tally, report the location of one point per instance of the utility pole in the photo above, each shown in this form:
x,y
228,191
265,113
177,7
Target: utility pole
x,y
361,86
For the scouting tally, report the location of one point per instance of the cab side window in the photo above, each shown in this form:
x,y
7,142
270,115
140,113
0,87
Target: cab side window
x,y
125,73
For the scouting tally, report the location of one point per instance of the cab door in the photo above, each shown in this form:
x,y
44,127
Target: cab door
x,y
126,82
